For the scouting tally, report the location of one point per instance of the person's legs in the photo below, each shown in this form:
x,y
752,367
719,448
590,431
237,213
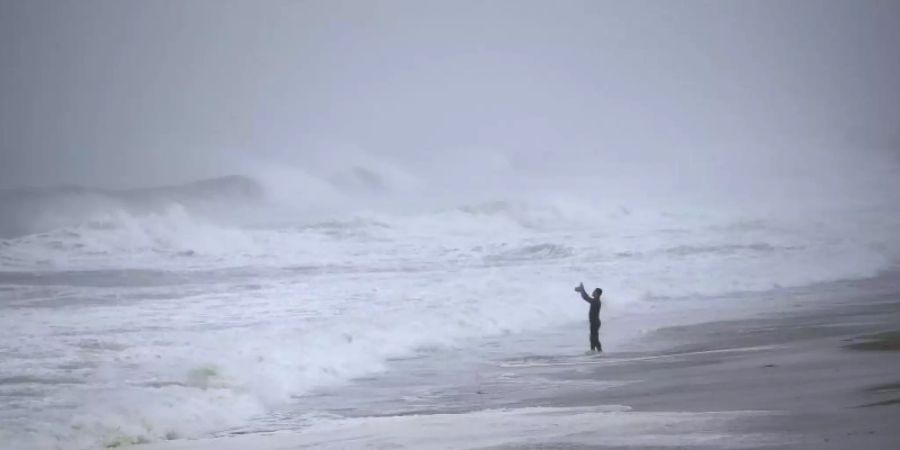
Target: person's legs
x,y
597,333
592,337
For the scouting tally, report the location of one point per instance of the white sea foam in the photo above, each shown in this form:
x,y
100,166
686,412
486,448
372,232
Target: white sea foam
x,y
165,318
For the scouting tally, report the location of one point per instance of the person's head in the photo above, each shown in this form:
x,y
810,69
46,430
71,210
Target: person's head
x,y
598,292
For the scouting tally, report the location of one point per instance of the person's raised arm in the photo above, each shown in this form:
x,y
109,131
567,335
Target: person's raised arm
x,y
580,290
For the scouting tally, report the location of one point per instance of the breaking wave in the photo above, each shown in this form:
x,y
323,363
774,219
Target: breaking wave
x,y
36,210
230,296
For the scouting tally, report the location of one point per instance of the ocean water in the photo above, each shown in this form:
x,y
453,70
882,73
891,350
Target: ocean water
x,y
183,312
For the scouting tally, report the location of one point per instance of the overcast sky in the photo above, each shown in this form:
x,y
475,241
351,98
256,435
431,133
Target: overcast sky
x,y
124,93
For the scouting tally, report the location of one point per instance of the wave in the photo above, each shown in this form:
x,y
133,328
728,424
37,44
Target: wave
x,y
178,227
539,252
230,186
724,249
27,211
278,311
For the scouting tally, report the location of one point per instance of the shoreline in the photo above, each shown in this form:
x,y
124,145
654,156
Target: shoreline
x,y
822,374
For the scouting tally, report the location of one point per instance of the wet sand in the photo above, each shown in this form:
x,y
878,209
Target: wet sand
x,y
826,377
824,373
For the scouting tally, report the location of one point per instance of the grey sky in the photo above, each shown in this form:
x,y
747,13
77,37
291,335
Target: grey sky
x,y
121,93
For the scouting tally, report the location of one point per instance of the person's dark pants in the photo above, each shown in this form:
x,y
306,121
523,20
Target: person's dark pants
x,y
595,336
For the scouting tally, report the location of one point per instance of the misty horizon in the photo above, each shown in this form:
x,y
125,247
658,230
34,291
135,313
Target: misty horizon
x,y
137,94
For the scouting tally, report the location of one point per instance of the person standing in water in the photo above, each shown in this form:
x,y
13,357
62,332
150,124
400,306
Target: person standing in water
x,y
593,314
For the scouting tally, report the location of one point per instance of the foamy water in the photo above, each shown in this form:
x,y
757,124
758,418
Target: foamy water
x,y
146,316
